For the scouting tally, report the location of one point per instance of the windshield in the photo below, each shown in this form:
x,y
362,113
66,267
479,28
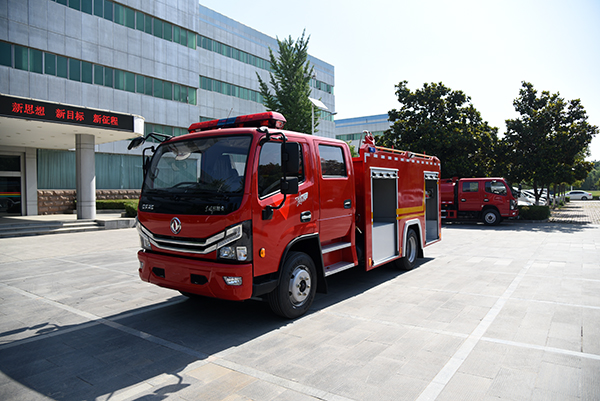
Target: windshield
x,y
200,165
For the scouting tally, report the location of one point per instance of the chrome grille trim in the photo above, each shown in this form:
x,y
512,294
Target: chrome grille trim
x,y
200,247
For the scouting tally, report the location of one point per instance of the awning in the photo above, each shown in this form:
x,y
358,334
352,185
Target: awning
x,y
26,122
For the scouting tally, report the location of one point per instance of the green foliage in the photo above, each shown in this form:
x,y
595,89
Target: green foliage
x,y
438,121
592,181
549,141
130,205
290,81
353,151
534,212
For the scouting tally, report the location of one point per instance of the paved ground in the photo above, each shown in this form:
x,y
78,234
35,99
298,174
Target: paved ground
x,y
578,212
493,313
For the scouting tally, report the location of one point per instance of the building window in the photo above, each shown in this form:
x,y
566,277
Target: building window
x,y
40,62
108,77
98,75
49,64
86,72
108,10
36,61
74,70
62,67
21,58
86,6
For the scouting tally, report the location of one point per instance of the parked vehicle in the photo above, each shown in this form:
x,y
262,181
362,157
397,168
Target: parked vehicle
x,y
241,208
579,195
486,199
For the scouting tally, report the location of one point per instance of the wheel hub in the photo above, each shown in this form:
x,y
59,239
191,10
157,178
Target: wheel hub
x,y
299,285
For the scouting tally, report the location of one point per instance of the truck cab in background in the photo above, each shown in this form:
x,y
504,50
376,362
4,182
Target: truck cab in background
x,y
488,199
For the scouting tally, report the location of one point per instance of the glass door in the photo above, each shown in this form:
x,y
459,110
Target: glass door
x,y
10,185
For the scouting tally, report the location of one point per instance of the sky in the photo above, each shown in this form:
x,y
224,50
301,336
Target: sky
x,y
484,48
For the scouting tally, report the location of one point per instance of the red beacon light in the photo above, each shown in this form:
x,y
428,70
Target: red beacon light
x,y
270,119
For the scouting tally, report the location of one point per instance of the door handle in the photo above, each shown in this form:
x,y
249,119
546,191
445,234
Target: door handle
x,y
305,217
347,204
463,200
486,200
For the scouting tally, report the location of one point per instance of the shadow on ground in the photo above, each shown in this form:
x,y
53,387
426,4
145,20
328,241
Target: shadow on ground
x,y
99,358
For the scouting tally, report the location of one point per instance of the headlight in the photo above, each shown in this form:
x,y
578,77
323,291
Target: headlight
x,y
237,244
145,242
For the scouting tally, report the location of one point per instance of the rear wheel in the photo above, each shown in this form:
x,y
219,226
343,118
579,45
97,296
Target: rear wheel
x,y
297,286
411,252
491,217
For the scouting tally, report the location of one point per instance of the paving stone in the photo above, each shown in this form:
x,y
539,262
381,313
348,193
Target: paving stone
x,y
378,335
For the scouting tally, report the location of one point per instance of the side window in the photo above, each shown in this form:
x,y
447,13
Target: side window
x,y
470,186
332,161
495,187
269,169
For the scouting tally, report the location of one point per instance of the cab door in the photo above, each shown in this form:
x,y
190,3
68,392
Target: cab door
x,y
469,195
295,218
336,193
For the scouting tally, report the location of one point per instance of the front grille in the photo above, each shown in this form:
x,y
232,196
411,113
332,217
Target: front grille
x,y
198,246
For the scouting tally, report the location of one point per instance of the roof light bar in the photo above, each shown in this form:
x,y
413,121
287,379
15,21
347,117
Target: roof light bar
x,y
269,119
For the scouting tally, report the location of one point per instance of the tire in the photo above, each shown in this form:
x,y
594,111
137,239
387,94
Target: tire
x,y
297,287
584,198
409,261
491,217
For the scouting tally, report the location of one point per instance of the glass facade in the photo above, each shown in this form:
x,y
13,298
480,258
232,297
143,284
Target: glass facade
x,y
133,19
40,62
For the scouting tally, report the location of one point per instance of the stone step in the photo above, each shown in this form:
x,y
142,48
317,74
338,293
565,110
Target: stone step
x,y
9,230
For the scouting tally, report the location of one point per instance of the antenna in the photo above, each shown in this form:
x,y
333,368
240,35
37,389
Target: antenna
x,y
229,112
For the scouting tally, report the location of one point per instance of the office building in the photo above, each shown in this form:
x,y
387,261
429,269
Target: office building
x,y
78,78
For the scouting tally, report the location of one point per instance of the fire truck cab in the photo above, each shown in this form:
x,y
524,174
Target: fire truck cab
x,y
241,208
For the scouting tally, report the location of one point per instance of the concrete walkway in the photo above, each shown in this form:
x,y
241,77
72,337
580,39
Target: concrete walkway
x,y
493,313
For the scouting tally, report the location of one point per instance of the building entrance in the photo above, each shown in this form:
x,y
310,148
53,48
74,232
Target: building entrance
x,y
10,185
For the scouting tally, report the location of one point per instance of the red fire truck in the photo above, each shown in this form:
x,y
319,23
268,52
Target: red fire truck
x,y
486,199
240,208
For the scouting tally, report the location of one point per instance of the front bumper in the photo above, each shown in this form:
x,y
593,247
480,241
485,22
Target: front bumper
x,y
195,276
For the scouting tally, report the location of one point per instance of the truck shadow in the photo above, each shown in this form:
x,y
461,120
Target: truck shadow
x,y
103,358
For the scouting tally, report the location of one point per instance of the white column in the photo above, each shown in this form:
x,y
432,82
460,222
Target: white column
x,y
86,176
31,199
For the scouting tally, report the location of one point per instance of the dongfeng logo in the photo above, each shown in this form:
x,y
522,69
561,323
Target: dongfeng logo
x,y
175,225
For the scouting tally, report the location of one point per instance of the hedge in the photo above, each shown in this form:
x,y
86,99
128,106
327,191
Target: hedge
x,y
130,205
534,212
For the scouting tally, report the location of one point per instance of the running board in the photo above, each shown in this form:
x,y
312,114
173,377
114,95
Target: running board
x,y
337,267
335,247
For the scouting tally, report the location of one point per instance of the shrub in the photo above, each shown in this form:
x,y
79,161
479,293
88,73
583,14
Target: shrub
x,y
130,205
534,212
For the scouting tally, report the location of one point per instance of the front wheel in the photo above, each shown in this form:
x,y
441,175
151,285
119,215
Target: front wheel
x,y
412,250
297,286
491,217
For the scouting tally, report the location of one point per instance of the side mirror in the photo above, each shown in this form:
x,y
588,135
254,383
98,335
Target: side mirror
x,y
289,185
290,157
136,142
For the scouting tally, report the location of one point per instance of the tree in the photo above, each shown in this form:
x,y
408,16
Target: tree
x,y
290,81
550,140
438,121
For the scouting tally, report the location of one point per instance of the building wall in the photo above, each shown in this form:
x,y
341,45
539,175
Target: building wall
x,y
226,69
351,129
52,27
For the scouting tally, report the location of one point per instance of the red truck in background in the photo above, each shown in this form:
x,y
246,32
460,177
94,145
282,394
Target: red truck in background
x,y
487,199
240,208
